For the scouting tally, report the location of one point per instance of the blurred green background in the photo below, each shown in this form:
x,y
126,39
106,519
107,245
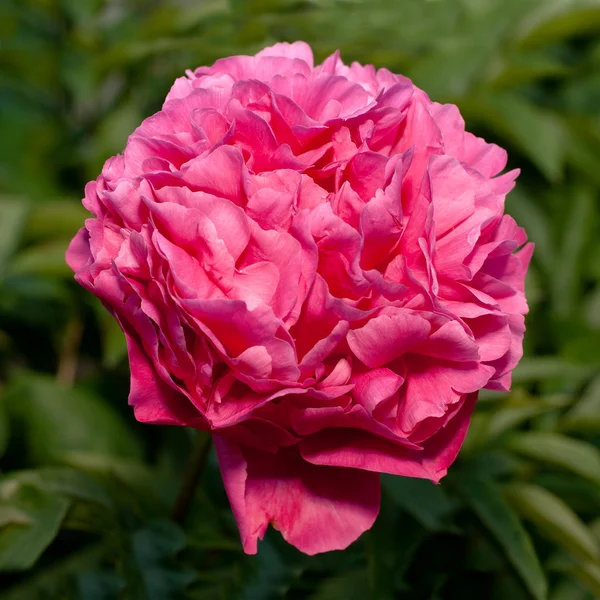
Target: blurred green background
x,y
86,492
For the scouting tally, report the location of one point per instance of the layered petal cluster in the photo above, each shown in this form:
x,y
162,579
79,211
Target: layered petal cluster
x,y
314,264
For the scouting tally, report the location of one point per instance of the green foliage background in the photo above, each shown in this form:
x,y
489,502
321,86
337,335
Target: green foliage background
x,y
86,492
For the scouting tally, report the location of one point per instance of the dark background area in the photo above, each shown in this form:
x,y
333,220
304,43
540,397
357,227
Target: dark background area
x,y
86,493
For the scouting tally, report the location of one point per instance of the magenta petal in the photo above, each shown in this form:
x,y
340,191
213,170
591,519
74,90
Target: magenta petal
x,y
316,509
361,450
385,338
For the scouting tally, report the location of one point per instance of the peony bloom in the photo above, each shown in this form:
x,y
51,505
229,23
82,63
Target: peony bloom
x,y
314,264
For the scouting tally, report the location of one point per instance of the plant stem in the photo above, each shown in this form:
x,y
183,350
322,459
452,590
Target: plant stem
x,y
68,356
191,477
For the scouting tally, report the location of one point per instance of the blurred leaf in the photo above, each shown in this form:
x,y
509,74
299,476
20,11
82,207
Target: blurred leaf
x,y
538,133
569,589
114,345
554,519
559,450
530,215
426,502
12,218
22,544
499,518
155,573
589,574
12,515
4,426
557,19
566,274
59,480
486,428
98,586
520,67
45,583
54,220
541,368
270,575
580,494
353,585
585,414
60,419
133,475
392,544
45,259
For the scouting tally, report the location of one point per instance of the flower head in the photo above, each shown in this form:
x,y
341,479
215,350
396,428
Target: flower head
x,y
312,262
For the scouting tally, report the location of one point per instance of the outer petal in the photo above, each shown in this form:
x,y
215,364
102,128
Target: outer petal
x,y
316,509
360,450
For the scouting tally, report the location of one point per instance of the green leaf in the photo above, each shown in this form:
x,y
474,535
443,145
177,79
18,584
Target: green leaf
x,y
156,574
4,427
131,474
589,574
426,502
569,589
541,368
55,580
22,544
566,277
270,577
114,345
60,419
560,451
538,133
99,586
499,518
554,519
585,414
12,218
553,20
13,515
486,428
353,585
46,259
530,215
54,220
59,480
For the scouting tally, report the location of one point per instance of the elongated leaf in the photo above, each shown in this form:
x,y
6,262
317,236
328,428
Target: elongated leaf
x,y
538,133
44,583
530,215
486,428
44,259
585,415
502,522
350,586
559,450
11,515
570,589
56,480
554,519
589,574
4,427
59,419
556,19
541,368
426,502
99,586
156,575
566,275
12,218
22,544
55,219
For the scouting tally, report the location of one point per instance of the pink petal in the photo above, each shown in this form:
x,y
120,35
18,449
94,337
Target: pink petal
x,y
385,338
317,509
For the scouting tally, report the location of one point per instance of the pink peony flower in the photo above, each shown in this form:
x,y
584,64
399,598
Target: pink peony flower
x,y
313,263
